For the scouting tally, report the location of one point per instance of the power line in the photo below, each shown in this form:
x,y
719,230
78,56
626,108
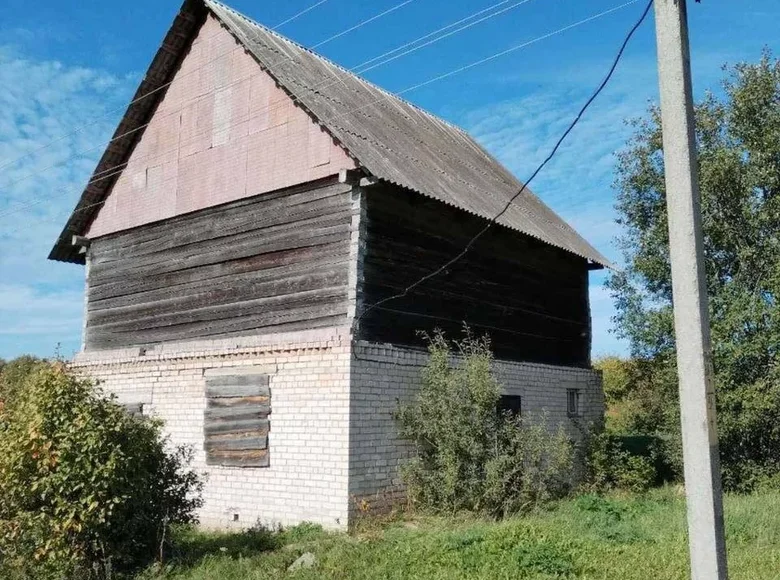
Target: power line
x,y
522,45
238,81
447,27
167,84
363,23
110,172
299,14
443,36
319,86
554,150
487,326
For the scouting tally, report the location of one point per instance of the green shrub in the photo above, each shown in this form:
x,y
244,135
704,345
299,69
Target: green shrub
x,y
468,455
13,375
84,487
622,462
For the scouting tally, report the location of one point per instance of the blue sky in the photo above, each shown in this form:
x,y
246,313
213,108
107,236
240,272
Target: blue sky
x,y
76,64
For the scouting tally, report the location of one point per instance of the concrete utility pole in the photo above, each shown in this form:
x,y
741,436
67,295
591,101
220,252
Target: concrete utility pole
x,y
691,316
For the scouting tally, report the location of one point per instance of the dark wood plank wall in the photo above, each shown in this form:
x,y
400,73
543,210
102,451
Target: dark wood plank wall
x,y
531,298
273,263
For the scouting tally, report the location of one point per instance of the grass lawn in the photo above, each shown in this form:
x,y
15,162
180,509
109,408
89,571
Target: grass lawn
x,y
620,538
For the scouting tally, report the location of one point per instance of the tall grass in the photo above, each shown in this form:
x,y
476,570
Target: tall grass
x,y
590,537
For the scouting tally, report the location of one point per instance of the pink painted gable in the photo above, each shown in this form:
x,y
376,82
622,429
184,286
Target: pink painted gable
x,y
223,131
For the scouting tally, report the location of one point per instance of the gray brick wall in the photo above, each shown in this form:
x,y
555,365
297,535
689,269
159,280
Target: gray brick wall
x,y
383,375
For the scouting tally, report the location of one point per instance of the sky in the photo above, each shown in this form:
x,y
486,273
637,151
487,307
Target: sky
x,y
68,70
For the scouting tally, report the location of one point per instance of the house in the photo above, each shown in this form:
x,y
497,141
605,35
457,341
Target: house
x,y
257,199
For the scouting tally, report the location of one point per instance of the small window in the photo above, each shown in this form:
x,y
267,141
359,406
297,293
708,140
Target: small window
x,y
134,409
573,402
511,404
236,421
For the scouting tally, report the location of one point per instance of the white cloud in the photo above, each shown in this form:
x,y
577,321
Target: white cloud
x,y
41,301
45,312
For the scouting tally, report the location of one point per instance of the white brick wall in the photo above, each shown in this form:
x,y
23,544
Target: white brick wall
x,y
308,440
333,440
383,375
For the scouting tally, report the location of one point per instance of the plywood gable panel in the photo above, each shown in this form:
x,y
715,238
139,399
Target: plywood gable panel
x,y
222,132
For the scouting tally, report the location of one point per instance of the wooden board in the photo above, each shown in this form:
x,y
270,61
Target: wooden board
x,y
273,263
236,420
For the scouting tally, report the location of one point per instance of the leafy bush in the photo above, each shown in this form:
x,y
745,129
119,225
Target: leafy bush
x,y
13,375
613,464
84,487
468,455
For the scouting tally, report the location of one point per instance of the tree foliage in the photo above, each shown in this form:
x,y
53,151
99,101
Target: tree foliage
x,y
84,486
468,454
738,140
14,373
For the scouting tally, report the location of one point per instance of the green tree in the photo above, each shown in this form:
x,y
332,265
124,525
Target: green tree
x,y
738,140
15,372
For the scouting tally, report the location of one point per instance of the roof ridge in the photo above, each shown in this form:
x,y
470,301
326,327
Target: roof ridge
x,y
417,150
334,64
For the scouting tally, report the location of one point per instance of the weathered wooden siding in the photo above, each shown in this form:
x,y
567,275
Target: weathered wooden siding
x,y
272,263
223,131
531,298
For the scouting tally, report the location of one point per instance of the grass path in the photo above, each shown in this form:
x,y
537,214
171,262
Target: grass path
x,y
589,537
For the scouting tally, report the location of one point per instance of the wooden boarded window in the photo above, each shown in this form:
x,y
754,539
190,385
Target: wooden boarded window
x,y
235,422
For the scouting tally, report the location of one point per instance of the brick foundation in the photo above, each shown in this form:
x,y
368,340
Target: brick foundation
x,y
333,440
384,375
308,439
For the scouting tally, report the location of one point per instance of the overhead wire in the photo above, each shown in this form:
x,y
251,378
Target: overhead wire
x,y
428,35
325,83
536,172
135,130
387,96
167,84
488,326
363,23
111,172
319,86
447,35
299,14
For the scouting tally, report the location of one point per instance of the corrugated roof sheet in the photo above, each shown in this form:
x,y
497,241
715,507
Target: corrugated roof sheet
x,y
397,141
400,143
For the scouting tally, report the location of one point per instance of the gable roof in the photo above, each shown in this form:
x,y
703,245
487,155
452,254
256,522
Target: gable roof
x,y
392,139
